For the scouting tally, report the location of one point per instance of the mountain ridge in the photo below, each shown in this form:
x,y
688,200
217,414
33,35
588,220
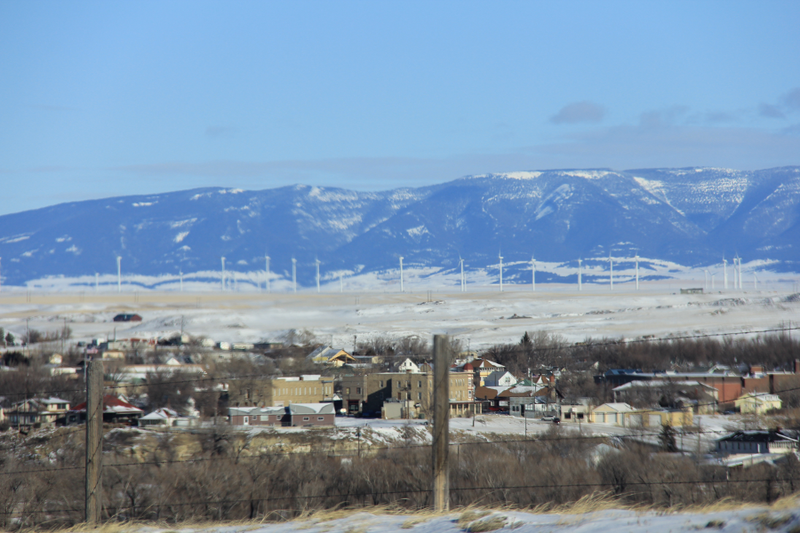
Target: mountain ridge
x,y
692,216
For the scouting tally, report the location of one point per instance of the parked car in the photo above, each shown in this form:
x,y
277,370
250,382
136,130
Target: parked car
x,y
556,420
548,418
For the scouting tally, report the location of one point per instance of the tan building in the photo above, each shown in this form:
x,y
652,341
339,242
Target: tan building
x,y
757,403
281,392
622,414
366,394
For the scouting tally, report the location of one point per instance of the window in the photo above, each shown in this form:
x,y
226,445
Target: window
x,y
381,382
320,418
305,419
347,390
419,396
358,390
419,384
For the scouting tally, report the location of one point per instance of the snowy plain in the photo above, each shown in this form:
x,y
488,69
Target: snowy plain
x,y
480,318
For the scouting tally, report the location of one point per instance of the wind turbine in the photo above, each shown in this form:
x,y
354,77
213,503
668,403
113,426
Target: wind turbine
x,y
637,271
724,273
463,279
735,274
266,257
294,274
402,289
533,274
713,279
317,261
501,271
705,282
223,273
611,270
119,274
741,283
580,272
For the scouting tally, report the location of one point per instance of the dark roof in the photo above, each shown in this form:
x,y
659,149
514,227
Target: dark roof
x,y
623,371
757,436
127,317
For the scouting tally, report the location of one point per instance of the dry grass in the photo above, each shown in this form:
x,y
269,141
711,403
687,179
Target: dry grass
x,y
411,522
491,523
774,517
770,521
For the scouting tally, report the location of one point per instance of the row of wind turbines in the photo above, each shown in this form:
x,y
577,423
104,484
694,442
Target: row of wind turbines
x,y
737,275
738,278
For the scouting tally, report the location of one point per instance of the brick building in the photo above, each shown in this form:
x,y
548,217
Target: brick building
x,y
366,393
279,392
293,415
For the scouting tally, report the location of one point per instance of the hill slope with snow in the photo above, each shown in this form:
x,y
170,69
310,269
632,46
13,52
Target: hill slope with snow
x,y
688,216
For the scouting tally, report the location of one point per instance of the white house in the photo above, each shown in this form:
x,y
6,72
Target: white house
x,y
407,366
500,378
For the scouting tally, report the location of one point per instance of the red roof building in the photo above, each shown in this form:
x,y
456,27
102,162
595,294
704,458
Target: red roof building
x,y
115,410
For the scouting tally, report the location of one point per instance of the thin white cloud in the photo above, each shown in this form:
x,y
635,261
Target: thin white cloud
x,y
579,112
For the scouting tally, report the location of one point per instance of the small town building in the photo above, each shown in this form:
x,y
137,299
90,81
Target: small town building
x,y
575,413
294,415
757,403
116,410
311,414
166,417
500,378
325,355
656,418
532,406
38,412
257,416
406,365
366,394
280,392
756,442
611,413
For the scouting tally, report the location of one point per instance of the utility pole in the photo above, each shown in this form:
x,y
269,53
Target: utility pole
x,y
441,423
94,442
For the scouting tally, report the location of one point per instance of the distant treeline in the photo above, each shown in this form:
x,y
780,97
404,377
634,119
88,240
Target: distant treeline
x,y
775,351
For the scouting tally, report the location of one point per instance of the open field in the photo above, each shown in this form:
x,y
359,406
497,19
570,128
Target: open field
x,y
480,318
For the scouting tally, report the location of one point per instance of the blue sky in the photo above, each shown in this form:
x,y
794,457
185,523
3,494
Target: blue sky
x,y
114,98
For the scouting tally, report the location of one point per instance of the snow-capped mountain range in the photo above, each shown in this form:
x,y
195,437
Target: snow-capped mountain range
x,y
689,216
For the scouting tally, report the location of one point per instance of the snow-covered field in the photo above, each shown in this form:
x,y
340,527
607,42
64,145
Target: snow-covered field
x,y
480,318
784,518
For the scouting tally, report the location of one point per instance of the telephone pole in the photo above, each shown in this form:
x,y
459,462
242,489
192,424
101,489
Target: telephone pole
x,y
94,442
441,423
